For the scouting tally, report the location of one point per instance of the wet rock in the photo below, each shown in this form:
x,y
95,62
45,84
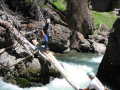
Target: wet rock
x,y
30,70
108,71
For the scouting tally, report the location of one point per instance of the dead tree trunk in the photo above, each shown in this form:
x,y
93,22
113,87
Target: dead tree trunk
x,y
20,38
30,48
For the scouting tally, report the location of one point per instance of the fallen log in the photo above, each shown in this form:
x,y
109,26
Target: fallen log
x,y
55,62
31,48
20,38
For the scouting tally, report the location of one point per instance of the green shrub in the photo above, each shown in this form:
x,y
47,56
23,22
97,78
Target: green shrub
x,y
22,82
59,4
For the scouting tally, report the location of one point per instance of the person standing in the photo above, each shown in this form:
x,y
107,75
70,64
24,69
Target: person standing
x,y
95,83
45,39
48,28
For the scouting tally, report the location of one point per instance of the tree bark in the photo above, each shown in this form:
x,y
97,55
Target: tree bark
x,y
79,16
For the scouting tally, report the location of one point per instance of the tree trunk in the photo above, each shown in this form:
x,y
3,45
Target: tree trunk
x,y
79,16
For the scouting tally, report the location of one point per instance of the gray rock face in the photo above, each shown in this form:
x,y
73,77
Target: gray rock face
x,y
10,60
10,57
109,69
99,48
29,67
60,39
80,43
34,66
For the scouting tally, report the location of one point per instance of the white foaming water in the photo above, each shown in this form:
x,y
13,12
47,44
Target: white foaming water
x,y
96,60
77,72
8,86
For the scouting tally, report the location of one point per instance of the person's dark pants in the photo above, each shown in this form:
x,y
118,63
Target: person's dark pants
x,y
46,44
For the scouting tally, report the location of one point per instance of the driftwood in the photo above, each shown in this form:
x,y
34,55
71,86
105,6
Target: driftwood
x,y
20,38
31,48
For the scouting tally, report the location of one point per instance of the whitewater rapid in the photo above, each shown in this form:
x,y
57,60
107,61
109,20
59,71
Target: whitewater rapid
x,y
77,72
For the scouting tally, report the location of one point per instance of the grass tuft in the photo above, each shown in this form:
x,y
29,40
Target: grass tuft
x,y
107,18
59,4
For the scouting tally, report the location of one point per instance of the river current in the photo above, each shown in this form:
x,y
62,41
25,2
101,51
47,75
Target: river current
x,y
75,64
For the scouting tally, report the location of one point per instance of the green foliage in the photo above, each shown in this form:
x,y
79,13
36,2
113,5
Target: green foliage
x,y
23,82
59,4
107,18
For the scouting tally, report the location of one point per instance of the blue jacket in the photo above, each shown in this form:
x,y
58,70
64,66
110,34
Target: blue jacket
x,y
45,38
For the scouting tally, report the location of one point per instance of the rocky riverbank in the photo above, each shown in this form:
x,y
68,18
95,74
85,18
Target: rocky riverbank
x,y
32,71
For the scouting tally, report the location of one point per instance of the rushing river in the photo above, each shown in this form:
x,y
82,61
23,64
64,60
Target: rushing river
x,y
75,64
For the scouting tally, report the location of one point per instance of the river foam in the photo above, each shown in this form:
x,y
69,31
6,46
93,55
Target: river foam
x,y
77,72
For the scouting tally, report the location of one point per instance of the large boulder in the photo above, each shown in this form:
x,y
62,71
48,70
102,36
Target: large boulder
x,y
60,39
11,52
101,35
99,48
109,72
80,43
17,66
10,56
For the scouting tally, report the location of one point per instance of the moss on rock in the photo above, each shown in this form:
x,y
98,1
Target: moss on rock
x,y
22,82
